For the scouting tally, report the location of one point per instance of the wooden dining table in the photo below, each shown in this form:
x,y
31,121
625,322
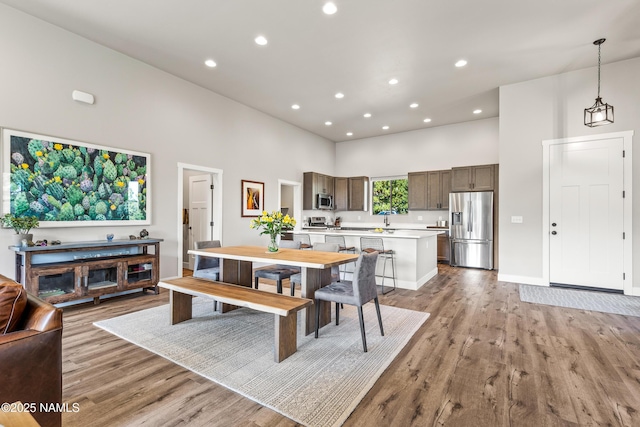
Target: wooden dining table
x,y
236,267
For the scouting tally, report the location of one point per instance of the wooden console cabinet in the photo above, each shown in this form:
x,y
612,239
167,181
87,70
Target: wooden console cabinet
x,y
81,270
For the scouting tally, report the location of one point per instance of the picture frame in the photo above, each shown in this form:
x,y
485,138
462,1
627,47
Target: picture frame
x,y
252,198
66,183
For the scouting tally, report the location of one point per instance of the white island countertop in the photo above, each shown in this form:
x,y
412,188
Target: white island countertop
x,y
414,252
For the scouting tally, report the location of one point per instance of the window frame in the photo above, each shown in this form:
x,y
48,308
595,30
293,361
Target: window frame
x,y
372,182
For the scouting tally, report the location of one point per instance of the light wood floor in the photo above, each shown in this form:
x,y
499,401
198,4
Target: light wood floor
x,y
483,358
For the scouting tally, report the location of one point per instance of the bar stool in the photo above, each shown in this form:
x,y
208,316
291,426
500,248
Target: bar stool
x,y
304,239
343,248
375,244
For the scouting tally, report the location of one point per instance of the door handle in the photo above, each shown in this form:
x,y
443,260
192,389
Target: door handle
x,y
554,232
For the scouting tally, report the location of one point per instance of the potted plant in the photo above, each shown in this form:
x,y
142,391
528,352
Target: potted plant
x,y
22,225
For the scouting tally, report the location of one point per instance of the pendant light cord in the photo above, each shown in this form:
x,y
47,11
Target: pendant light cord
x,y
599,46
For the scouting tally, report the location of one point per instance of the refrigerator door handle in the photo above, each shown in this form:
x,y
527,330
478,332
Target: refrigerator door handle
x,y
470,222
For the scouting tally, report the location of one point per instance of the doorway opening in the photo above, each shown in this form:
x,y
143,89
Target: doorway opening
x,y
290,199
199,209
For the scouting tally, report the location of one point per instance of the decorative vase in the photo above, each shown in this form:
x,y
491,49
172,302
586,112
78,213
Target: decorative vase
x,y
273,244
18,238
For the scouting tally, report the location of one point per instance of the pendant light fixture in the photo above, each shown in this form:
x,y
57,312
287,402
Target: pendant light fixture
x,y
599,113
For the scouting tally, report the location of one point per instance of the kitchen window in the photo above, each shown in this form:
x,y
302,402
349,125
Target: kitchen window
x,y
390,195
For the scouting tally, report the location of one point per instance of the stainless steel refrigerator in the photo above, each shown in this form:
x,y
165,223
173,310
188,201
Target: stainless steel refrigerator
x,y
471,229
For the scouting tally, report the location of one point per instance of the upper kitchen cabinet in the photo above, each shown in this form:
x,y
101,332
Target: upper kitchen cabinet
x,y
417,191
358,193
438,189
473,178
341,194
429,190
314,184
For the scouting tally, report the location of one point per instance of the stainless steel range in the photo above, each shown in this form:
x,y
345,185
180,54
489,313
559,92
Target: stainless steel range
x,y
316,222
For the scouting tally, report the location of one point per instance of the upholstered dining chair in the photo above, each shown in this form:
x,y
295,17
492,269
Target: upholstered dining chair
x,y
278,272
206,267
296,279
357,292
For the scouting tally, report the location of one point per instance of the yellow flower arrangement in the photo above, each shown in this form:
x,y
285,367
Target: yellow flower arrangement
x,y
273,224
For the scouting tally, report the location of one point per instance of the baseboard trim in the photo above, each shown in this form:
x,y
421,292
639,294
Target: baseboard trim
x,y
525,280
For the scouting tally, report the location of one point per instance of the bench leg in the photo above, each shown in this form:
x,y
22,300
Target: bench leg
x,y
180,305
286,342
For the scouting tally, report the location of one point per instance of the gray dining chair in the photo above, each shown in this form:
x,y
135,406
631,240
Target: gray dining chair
x,y
296,279
357,292
278,272
206,267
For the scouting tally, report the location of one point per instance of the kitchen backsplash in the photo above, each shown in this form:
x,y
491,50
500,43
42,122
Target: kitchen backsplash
x,y
353,218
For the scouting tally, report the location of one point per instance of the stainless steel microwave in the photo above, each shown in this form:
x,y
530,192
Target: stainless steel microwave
x,y
324,201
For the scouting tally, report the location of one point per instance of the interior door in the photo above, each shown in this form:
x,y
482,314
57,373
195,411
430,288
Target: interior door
x,y
586,213
200,211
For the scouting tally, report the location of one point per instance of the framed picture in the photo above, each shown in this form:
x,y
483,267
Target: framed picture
x,y
69,183
252,198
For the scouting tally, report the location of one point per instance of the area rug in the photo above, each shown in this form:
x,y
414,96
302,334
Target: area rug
x,y
319,385
582,300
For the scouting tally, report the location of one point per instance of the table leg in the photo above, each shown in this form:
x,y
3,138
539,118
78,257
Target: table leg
x,y
237,273
286,342
312,280
180,305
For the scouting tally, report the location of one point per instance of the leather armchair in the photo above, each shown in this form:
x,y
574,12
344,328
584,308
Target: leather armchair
x,y
31,361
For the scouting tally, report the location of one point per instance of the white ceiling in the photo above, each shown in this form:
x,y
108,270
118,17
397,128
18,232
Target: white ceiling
x,y
311,56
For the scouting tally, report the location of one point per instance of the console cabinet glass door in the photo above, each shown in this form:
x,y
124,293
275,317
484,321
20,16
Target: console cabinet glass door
x,y
55,284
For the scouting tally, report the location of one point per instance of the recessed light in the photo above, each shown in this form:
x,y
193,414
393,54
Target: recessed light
x,y
393,81
461,63
349,133
414,105
328,123
385,127
366,115
427,120
210,63
329,8
477,111
339,95
261,40
295,106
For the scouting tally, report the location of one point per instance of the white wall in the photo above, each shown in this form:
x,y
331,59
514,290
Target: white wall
x,y
442,147
141,108
551,108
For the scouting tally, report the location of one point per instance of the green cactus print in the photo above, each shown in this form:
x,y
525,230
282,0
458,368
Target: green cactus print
x,y
68,182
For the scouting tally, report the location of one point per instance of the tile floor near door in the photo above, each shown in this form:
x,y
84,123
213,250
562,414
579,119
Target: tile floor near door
x,y
483,358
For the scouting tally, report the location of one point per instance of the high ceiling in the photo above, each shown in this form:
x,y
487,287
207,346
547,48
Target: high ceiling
x,y
311,56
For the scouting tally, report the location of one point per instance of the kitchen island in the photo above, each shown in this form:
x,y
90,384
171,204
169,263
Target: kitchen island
x,y
415,252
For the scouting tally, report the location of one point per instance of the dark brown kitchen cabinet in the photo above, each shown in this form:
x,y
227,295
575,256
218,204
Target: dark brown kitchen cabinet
x,y
313,184
358,193
429,190
417,182
438,189
341,194
473,178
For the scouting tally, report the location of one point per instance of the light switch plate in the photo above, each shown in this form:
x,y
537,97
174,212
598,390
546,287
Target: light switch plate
x,y
516,220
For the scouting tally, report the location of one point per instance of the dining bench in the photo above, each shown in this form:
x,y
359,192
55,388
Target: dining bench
x,y
283,307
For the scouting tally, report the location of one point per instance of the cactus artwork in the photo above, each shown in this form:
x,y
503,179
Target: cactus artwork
x,y
58,180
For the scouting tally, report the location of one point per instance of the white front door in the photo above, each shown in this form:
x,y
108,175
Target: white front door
x,y
586,213
200,211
